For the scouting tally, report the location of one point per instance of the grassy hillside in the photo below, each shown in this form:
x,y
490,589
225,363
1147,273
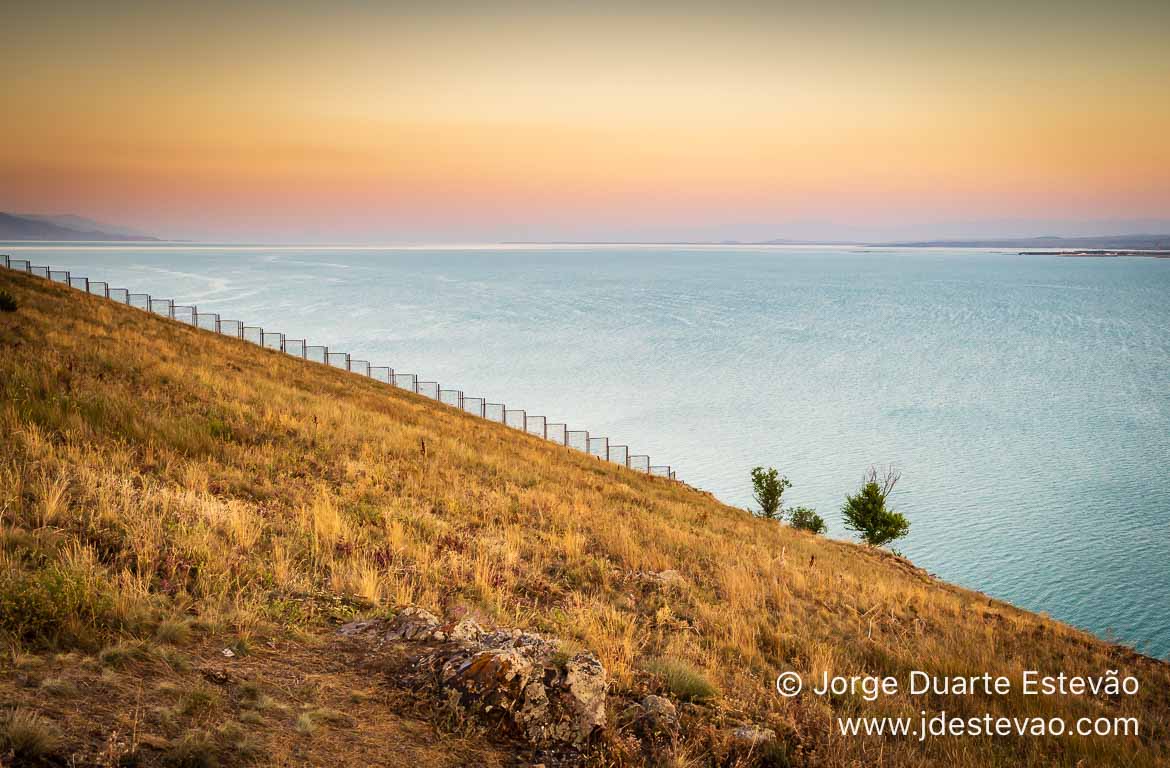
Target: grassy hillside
x,y
166,494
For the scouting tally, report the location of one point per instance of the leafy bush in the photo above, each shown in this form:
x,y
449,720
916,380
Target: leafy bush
x,y
806,519
49,604
683,680
768,487
7,302
865,512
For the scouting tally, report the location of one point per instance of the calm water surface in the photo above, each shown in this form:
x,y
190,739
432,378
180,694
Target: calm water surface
x,y
1025,399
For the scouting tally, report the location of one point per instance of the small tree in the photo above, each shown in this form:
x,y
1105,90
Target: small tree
x,y
7,302
806,519
768,486
865,512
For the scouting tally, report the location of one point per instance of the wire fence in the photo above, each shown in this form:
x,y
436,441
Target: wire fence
x,y
517,418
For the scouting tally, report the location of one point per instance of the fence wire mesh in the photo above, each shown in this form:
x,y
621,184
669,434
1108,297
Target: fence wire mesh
x,y
164,307
579,439
536,425
516,418
295,347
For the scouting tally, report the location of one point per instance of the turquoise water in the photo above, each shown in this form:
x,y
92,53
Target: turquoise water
x,y
1025,399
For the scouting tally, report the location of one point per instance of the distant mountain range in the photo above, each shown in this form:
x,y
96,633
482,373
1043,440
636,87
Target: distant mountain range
x,y
1127,242
1110,242
38,226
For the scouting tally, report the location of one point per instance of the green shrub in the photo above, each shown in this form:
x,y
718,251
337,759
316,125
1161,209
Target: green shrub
x,y
683,680
768,487
7,302
866,513
806,519
50,605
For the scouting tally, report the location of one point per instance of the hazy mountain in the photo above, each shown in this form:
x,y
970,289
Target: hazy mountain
x,y
45,227
1125,242
82,224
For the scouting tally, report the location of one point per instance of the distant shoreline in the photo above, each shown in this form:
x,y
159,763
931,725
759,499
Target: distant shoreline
x,y
1100,254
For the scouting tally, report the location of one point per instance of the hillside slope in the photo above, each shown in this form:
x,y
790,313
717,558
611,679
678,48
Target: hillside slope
x,y
167,494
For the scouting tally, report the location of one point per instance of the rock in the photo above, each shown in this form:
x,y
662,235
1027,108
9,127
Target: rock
x,y
659,713
359,628
751,736
511,676
585,685
667,578
466,630
412,623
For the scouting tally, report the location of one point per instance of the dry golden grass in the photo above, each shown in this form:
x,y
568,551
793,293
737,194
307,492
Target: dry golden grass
x,y
152,473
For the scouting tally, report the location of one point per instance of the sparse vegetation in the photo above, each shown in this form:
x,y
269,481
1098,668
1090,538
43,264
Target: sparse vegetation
x,y
865,512
27,735
195,749
153,473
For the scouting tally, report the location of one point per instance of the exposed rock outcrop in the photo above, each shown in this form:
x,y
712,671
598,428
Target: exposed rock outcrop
x,y
518,680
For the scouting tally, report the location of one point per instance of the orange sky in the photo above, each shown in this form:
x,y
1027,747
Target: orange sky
x,y
360,122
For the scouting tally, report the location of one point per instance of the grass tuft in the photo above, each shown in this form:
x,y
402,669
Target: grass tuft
x,y
683,680
27,735
195,749
60,687
173,632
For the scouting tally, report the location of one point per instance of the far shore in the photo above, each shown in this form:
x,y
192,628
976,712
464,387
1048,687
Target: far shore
x,y
1100,254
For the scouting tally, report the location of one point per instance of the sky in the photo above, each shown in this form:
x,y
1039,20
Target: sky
x,y
451,122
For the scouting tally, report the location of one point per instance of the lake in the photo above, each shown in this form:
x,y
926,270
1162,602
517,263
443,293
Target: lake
x,y
1025,399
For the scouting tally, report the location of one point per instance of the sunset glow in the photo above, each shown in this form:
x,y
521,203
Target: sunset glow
x,y
396,124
